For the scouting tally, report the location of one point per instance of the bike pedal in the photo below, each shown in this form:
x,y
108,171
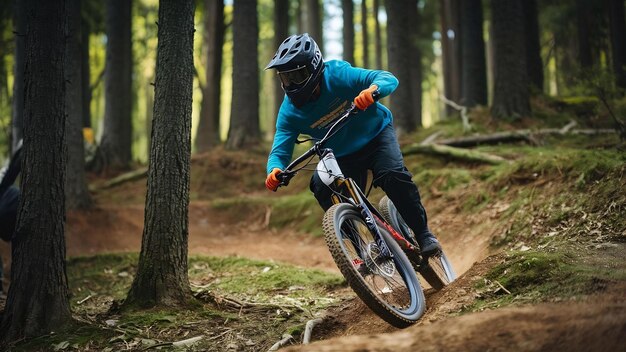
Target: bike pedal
x,y
435,254
414,256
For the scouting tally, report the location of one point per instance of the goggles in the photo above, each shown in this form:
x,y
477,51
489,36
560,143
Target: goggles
x,y
296,76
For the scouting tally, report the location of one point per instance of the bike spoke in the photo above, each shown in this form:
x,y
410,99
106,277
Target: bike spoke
x,y
358,241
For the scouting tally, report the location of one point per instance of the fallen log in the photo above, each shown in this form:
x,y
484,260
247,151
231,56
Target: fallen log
x,y
495,138
453,153
126,177
528,136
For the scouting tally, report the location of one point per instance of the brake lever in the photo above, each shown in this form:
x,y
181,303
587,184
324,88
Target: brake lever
x,y
285,177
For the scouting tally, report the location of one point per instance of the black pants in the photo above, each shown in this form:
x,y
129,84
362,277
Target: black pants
x,y
9,202
381,155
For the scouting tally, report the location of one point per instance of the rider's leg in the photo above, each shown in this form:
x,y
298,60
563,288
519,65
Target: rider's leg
x,y
395,179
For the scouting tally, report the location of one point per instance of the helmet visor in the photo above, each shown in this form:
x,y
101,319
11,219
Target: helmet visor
x,y
296,76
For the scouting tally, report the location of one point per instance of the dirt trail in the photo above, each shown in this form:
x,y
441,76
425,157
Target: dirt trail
x,y
119,229
584,326
598,324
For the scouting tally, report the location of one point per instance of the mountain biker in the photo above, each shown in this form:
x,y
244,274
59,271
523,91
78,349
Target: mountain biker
x,y
9,199
317,92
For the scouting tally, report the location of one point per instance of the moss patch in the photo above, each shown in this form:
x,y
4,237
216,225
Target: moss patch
x,y
301,210
260,279
539,276
281,296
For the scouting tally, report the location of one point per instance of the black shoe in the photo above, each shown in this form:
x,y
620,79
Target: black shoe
x,y
429,245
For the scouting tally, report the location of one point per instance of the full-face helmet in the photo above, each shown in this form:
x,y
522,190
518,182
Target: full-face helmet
x,y
299,65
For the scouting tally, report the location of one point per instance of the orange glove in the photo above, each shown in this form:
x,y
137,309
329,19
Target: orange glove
x,y
365,99
272,182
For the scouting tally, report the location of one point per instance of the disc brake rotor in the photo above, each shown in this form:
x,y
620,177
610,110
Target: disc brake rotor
x,y
378,264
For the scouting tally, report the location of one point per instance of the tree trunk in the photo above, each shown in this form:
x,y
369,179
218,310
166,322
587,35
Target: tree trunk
x,y
299,16
76,192
85,73
348,31
162,277
416,59
313,21
474,81
511,93
364,33
534,65
451,50
281,31
17,124
399,54
5,97
378,46
565,54
38,302
244,119
116,141
583,23
149,93
618,41
208,134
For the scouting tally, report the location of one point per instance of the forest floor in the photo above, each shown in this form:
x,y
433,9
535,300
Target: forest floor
x,y
538,245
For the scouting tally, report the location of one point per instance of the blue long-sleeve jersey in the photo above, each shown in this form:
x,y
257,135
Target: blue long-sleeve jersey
x,y
339,86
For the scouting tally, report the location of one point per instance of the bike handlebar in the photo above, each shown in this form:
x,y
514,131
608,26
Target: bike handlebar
x,y
288,173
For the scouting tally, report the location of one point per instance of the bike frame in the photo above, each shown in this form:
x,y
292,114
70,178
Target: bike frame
x,y
344,189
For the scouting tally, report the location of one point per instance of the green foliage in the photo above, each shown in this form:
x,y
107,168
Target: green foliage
x,y
444,179
111,274
282,296
582,105
567,163
70,338
301,209
260,279
535,276
526,270
94,275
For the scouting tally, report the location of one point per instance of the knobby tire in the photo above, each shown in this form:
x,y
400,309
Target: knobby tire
x,y
438,270
347,217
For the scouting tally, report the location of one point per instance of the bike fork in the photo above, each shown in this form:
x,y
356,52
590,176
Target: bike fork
x,y
371,225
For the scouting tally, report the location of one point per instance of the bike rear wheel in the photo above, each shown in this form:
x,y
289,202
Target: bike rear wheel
x,y
387,285
437,269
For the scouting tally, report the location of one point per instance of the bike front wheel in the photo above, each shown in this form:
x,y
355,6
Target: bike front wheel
x,y
437,269
387,284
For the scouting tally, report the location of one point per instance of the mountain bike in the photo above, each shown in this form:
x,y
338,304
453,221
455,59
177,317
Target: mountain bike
x,y
436,269
369,251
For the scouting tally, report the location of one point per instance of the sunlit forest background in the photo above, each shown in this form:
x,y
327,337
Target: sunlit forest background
x,y
146,125
573,35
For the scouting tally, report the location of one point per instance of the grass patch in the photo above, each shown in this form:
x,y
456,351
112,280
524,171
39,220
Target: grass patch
x,y
106,273
584,166
111,275
540,276
444,179
260,279
75,336
100,281
300,210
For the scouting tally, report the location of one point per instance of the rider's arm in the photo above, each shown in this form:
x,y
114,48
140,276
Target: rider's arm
x,y
282,148
360,78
